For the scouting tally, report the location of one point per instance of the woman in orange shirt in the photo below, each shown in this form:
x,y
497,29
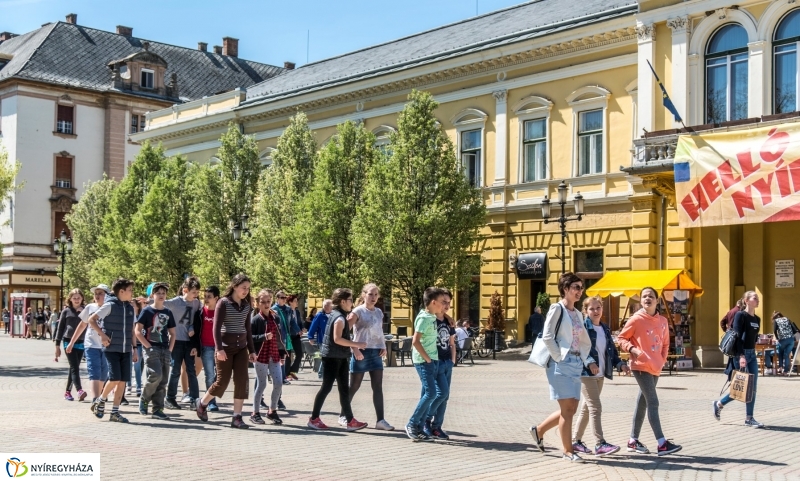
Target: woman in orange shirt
x,y
646,337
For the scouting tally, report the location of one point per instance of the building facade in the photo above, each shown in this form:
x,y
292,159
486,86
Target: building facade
x,y
550,91
70,96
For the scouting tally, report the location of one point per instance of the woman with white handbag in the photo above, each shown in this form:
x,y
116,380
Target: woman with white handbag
x,y
568,345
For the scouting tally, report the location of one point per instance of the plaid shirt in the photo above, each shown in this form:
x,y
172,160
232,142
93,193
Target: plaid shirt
x,y
269,350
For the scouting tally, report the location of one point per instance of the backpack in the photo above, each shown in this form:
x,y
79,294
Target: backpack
x,y
729,343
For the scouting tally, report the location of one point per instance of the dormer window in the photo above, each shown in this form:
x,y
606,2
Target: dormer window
x,y
147,78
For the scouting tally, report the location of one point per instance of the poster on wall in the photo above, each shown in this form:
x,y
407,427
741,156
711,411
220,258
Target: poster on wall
x,y
740,177
784,274
680,302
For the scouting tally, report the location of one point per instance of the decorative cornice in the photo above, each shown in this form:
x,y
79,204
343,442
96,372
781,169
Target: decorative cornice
x,y
680,24
646,32
663,183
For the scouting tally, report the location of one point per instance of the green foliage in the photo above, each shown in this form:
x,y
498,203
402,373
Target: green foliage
x,y
326,213
223,192
543,301
8,175
273,255
85,224
419,215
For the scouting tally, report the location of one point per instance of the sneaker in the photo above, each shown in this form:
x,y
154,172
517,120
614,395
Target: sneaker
x,y
293,375
159,414
193,404
100,409
573,458
238,423
668,448
316,423
263,404
117,418
171,404
124,401
579,447
143,405
425,438
637,447
138,392
128,390
186,399
717,409
768,372
604,449
355,425
273,416
536,439
382,425
286,381
201,411
81,395
212,406
93,405
413,433
753,423
426,429
68,396
255,418
281,406
438,433
343,421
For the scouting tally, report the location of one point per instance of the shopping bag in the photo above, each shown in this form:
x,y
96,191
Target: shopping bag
x,y
539,354
742,386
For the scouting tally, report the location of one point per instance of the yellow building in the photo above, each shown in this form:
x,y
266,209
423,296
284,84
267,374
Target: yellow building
x,y
536,94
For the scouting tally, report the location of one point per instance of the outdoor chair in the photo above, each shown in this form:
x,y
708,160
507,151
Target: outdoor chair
x,y
308,353
402,331
402,349
465,352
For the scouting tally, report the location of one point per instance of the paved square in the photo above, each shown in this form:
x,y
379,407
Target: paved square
x,y
492,405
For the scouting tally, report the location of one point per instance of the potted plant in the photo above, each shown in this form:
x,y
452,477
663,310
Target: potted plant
x,y
496,324
543,301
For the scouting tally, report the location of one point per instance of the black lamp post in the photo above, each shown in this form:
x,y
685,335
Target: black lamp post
x,y
563,218
238,227
62,246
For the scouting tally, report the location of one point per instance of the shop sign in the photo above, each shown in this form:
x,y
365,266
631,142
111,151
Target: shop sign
x,y
741,177
35,280
532,266
784,274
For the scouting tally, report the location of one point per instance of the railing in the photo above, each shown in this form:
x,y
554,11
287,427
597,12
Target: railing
x,y
64,127
66,184
654,151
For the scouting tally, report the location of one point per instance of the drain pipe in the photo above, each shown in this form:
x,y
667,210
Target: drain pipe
x,y
662,227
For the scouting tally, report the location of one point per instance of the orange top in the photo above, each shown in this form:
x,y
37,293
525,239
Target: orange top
x,y
650,334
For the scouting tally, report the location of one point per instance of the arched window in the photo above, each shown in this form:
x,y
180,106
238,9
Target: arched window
x,y
726,74
787,38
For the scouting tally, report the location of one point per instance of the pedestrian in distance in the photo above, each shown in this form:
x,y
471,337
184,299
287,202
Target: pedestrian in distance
x,y
41,323
646,337
285,315
269,361
295,330
784,330
67,326
234,348
26,332
335,351
446,350
184,307
96,364
535,323
204,324
569,347
52,319
316,331
590,408
7,320
155,330
726,322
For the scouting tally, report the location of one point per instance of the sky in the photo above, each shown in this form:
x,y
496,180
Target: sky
x,y
269,31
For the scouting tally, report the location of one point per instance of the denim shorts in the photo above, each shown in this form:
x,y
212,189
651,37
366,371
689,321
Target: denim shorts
x,y
565,378
372,361
96,364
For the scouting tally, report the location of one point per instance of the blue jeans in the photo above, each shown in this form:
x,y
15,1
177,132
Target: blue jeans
x,y
180,354
444,375
427,375
785,349
752,368
209,367
137,368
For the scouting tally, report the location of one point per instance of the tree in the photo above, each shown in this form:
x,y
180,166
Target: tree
x,y
273,256
420,215
326,213
8,176
85,224
497,319
224,193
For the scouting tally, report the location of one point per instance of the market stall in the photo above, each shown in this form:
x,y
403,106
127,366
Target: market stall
x,y
677,292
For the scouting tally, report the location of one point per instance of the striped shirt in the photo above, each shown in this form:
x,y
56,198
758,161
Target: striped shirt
x,y
232,324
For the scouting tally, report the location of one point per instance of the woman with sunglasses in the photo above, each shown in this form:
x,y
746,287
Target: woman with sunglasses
x,y
569,347
646,338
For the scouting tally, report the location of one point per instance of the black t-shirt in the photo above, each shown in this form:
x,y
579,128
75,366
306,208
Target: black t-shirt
x,y
443,333
747,327
157,332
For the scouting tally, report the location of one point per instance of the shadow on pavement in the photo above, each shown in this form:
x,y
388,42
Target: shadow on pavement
x,y
174,425
26,371
674,462
785,429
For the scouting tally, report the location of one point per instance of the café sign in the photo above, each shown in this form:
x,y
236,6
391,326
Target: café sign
x,y
532,266
35,280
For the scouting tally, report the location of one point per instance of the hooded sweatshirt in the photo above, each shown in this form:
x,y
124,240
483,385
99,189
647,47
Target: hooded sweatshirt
x,y
649,334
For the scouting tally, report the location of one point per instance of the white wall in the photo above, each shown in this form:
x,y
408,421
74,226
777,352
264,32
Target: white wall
x,y
8,134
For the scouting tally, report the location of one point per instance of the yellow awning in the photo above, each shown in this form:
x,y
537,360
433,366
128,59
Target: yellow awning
x,y
630,283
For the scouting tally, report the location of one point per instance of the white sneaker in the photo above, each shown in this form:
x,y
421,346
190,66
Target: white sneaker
x,y
753,423
342,421
382,425
768,372
186,399
573,458
128,390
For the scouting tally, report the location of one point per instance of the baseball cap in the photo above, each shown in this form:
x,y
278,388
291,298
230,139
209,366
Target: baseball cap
x,y
156,285
103,287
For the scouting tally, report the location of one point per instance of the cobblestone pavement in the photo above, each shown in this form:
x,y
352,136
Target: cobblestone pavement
x,y
492,405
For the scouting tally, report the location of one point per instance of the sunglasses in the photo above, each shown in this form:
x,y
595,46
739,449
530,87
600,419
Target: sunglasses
x,y
281,297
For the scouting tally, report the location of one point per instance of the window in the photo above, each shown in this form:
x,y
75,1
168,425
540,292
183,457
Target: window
x,y
64,119
787,39
534,145
64,172
471,156
147,78
60,225
137,123
590,142
726,75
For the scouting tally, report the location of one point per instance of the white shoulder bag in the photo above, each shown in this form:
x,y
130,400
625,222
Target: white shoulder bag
x,y
539,354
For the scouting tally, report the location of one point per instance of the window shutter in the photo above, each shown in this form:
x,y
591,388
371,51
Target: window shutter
x,y
64,168
61,225
65,113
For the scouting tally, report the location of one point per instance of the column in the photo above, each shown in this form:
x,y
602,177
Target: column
x,y
755,269
757,71
681,32
647,48
644,232
500,137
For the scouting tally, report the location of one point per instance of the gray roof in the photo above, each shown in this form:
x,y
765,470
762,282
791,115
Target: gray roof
x,y
67,54
514,24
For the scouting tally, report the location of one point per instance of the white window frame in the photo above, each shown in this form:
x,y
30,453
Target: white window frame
x,y
527,109
382,135
464,121
152,75
584,99
266,157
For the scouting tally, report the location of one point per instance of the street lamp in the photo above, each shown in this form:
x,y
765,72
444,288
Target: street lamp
x,y
62,246
238,228
563,218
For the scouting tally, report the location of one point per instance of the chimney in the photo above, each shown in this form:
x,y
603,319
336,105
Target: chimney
x,y
202,46
230,46
125,31
72,18
288,65
6,36
217,50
